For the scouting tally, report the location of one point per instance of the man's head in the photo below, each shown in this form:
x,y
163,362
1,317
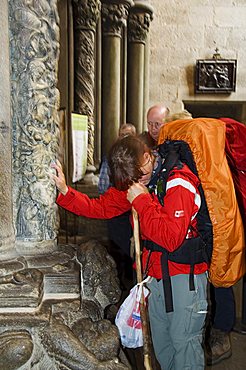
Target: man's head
x,y
127,129
156,118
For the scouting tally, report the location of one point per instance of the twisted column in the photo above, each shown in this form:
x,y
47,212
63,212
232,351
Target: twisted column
x,y
86,14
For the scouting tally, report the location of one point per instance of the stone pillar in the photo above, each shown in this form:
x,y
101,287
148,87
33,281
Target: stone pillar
x,y
146,84
98,95
123,92
6,213
114,17
34,51
138,25
54,295
86,14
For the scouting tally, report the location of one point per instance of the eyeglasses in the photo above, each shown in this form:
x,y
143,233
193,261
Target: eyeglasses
x,y
144,165
155,124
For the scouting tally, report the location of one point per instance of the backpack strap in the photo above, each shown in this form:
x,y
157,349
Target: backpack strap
x,y
191,252
166,280
159,180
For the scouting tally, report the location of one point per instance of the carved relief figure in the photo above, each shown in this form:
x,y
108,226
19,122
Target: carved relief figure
x,y
213,75
34,42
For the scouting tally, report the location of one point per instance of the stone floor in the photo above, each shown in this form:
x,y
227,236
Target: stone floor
x,y
238,359
236,362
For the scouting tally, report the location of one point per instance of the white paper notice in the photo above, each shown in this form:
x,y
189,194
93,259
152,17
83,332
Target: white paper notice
x,y
80,144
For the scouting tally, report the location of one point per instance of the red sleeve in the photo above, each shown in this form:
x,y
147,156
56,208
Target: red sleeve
x,y
168,225
112,203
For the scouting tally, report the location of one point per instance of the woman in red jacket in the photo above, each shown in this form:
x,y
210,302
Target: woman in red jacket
x,y
177,333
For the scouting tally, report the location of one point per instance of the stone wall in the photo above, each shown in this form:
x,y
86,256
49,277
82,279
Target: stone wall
x,y
183,31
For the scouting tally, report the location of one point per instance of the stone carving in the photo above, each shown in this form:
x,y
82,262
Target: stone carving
x,y
34,51
86,14
3,128
63,333
214,76
64,345
82,338
16,349
52,306
114,17
100,281
100,337
138,26
22,288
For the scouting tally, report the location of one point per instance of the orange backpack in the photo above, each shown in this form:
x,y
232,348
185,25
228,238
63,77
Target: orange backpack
x,y
206,138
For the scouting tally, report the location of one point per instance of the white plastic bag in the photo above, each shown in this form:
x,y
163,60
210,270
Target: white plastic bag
x,y
128,318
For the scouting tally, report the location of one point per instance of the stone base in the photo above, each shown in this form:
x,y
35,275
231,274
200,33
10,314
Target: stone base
x,y
27,248
7,247
52,314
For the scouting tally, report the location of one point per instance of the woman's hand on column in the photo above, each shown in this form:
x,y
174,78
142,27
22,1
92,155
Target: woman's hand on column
x,y
59,178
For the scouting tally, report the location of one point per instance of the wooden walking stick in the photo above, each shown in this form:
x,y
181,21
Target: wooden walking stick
x,y
143,313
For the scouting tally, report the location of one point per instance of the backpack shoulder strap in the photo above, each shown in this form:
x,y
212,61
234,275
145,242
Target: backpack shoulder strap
x,y
170,155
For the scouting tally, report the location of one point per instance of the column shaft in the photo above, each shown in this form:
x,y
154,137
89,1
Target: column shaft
x,y
34,45
135,85
6,213
111,91
114,16
138,25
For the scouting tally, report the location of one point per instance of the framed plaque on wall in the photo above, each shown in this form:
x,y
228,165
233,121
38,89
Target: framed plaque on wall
x,y
215,76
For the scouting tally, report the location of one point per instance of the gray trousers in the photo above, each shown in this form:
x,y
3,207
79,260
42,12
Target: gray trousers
x,y
177,335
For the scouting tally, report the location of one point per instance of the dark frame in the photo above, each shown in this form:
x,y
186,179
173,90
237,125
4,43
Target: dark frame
x,y
215,76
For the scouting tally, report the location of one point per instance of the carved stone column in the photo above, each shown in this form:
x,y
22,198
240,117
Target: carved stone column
x,y
34,45
86,14
50,300
114,18
6,213
138,26
146,82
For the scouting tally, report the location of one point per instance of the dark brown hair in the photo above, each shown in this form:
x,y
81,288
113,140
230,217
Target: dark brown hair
x,y
147,139
125,160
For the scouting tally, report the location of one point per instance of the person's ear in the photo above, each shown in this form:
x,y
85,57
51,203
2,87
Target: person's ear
x,y
146,156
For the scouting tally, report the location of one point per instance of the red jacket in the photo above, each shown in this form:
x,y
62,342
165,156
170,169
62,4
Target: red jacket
x,y
167,226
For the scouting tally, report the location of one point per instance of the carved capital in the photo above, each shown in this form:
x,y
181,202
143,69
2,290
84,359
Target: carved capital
x,y
86,14
114,16
139,21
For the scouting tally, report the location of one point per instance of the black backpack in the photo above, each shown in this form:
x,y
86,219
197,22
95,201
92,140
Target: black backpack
x,y
195,250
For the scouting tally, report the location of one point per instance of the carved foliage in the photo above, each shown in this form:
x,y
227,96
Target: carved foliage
x,y
138,26
34,51
114,17
86,13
